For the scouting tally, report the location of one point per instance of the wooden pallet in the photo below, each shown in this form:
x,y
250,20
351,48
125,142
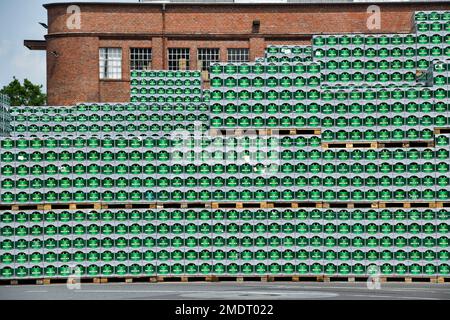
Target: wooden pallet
x,y
156,205
443,204
238,132
290,278
378,144
361,278
48,207
385,279
73,206
406,144
240,279
349,205
123,280
265,205
104,206
295,205
16,282
227,278
406,205
228,205
349,145
441,130
349,279
411,279
265,132
239,205
17,207
185,279
295,132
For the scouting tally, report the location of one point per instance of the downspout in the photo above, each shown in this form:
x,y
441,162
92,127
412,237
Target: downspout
x,y
164,45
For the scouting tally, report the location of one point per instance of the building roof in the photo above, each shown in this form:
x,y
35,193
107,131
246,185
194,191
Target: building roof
x,y
245,2
35,44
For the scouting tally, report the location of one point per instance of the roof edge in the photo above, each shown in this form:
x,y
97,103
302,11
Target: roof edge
x,y
54,4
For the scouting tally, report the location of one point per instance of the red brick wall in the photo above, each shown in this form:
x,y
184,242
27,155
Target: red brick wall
x,y
107,18
73,76
114,91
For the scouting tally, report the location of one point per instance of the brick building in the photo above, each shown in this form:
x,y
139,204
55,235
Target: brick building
x,y
92,63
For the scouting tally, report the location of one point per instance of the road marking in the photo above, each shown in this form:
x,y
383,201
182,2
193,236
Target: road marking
x,y
36,291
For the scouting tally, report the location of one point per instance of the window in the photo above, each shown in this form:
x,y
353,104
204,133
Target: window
x,y
207,56
140,58
179,59
110,63
238,55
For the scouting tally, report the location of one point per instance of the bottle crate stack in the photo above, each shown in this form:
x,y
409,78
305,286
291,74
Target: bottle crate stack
x,y
335,162
224,242
264,95
174,98
5,117
290,168
288,53
433,38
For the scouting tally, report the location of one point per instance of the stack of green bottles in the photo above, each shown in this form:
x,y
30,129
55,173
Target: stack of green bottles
x,y
176,99
132,168
433,38
258,95
288,53
166,86
111,119
157,149
224,242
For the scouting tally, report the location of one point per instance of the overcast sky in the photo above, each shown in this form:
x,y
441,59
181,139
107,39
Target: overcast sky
x,y
19,21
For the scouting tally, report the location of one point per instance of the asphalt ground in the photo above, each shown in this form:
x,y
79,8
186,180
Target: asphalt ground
x,y
229,291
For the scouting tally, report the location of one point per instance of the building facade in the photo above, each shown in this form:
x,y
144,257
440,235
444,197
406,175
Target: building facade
x,y
91,47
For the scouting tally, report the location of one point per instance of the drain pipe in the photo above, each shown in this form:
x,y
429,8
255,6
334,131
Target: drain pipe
x,y
164,55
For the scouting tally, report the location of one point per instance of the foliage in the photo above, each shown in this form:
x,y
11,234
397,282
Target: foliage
x,y
26,94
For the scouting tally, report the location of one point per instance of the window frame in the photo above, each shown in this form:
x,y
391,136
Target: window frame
x,y
231,56
208,53
114,63
142,57
174,64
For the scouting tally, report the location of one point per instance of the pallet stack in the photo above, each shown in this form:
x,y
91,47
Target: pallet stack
x,y
330,160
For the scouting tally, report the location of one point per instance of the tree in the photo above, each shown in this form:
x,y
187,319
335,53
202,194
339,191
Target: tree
x,y
28,94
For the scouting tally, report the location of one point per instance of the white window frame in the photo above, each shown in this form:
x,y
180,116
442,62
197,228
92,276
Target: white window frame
x,y
110,63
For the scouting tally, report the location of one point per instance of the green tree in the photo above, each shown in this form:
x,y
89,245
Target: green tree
x,y
26,94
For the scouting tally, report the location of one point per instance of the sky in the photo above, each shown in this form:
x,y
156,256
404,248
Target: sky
x,y
19,20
